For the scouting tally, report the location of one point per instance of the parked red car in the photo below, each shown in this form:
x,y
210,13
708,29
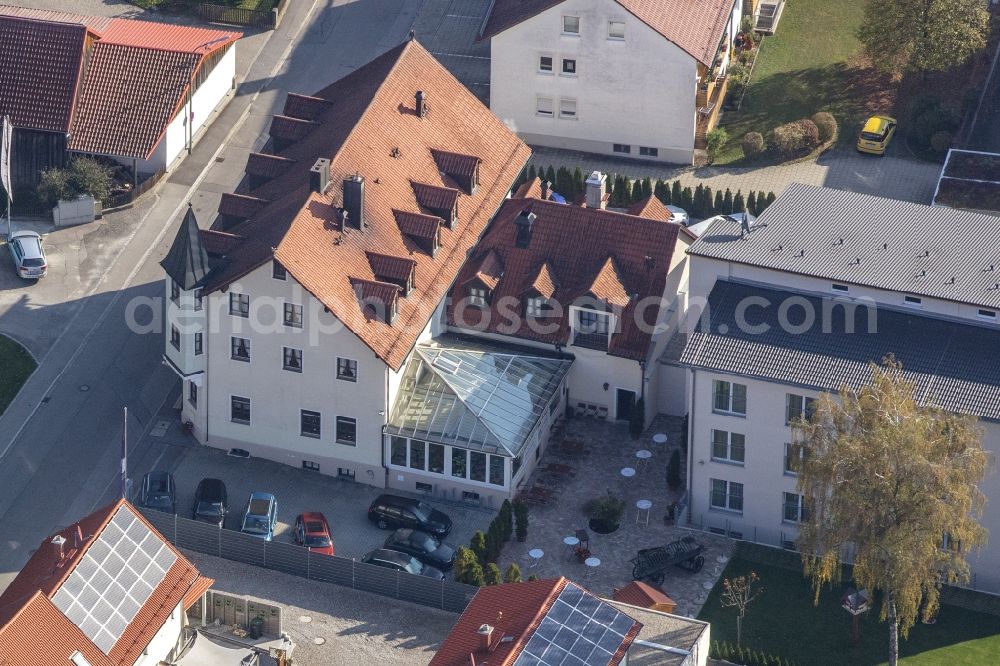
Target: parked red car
x,y
313,532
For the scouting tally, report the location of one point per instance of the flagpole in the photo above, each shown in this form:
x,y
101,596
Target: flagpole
x,y
125,453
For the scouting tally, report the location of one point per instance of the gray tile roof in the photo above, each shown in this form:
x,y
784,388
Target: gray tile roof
x,y
943,358
872,241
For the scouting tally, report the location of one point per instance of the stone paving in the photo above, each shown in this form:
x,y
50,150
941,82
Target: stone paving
x,y
843,169
610,448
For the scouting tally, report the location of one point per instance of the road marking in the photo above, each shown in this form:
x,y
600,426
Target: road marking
x,y
159,238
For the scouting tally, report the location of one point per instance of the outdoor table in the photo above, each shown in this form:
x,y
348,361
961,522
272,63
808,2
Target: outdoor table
x,y
571,543
535,554
659,438
592,564
643,505
628,472
643,455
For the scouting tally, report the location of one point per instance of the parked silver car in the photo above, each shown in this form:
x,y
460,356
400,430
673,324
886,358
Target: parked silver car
x,y
29,256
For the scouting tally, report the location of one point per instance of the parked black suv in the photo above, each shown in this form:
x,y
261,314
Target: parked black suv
x,y
422,546
390,559
394,511
158,491
211,504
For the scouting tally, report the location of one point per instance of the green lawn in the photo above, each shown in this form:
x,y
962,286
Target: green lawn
x,y
811,64
17,365
783,621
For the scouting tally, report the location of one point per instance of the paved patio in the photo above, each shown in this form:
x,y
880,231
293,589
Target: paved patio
x,y
609,449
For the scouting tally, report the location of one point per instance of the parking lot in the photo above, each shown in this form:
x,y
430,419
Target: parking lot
x,y
344,503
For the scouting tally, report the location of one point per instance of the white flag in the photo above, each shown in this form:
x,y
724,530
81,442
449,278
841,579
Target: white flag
x,y
6,137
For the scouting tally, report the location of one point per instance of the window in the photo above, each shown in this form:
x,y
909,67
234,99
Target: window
x,y
793,508
543,106
347,431
795,455
193,394
798,407
278,271
239,305
913,301
309,424
477,466
458,462
730,398
496,470
842,288
591,329
291,359
293,315
175,338
418,454
567,108
347,369
616,29
345,473
569,66
199,296
987,314
477,297
646,151
536,307
239,410
571,25
728,446
240,348
545,63
175,291
621,148
435,458
727,495
397,451
310,465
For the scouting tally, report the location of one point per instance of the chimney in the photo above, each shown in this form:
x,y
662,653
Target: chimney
x,y
546,186
595,189
524,221
354,200
485,632
319,175
421,104
58,543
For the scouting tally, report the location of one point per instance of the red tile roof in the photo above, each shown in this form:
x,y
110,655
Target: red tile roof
x,y
267,166
289,128
620,258
696,26
514,610
545,282
97,24
305,107
28,616
435,198
650,208
642,595
391,269
167,36
39,68
372,113
240,206
488,270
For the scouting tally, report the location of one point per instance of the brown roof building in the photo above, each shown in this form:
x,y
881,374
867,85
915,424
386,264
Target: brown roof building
x,y
102,588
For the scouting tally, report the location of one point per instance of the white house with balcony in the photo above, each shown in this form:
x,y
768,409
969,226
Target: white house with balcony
x,y
800,304
632,78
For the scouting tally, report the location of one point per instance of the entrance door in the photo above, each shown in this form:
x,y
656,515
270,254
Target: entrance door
x,y
624,404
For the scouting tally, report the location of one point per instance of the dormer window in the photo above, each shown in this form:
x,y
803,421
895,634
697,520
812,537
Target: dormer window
x,y
591,328
536,306
478,296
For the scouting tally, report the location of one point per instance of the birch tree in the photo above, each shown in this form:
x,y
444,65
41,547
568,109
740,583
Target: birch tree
x,y
894,485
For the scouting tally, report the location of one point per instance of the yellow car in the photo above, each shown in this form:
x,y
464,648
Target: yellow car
x,y
876,134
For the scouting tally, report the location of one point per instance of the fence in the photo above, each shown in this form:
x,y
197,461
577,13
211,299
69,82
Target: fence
x,y
125,199
254,18
298,561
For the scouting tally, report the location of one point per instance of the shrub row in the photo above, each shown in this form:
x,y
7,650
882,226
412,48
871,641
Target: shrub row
x,y
476,565
792,139
740,654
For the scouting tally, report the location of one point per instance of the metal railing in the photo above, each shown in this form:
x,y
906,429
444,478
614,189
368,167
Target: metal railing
x,y
299,561
256,18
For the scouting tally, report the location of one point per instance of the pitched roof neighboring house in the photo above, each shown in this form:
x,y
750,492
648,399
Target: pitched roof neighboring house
x,y
943,358
104,586
870,241
40,64
538,622
696,26
573,253
372,130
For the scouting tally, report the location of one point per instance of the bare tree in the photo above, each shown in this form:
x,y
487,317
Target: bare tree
x,y
737,593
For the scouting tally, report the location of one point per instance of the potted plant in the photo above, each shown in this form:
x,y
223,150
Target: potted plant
x,y
671,515
606,514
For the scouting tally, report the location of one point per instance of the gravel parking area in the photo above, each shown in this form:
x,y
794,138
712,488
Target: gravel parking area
x,y
344,503
335,625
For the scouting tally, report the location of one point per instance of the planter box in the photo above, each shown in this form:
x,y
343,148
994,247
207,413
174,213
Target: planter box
x,y
81,210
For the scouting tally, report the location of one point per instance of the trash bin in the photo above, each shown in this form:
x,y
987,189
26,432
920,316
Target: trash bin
x,y
256,627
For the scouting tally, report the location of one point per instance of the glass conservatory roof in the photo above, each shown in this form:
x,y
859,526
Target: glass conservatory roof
x,y
474,395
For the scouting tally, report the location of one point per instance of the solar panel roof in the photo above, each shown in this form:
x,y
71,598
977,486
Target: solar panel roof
x,y
578,630
114,579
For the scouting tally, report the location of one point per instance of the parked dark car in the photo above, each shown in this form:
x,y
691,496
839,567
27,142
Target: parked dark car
x,y
158,491
390,559
422,546
394,511
211,503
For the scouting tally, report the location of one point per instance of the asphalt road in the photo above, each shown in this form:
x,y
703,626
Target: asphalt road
x,y
60,438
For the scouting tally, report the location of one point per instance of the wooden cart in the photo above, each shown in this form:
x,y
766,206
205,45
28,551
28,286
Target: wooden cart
x,y
651,563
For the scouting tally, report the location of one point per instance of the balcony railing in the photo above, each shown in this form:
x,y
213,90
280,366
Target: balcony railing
x,y
598,341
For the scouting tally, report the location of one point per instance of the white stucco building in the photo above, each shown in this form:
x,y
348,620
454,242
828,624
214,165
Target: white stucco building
x,y
631,78
800,305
